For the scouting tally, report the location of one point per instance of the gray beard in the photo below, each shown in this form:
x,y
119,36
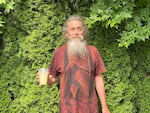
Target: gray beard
x,y
77,48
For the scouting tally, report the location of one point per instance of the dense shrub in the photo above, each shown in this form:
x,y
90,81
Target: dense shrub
x,y
120,91
33,32
140,57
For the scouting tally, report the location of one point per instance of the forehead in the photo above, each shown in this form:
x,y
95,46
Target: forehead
x,y
75,23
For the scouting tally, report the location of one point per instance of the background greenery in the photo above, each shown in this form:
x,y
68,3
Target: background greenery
x,y
30,30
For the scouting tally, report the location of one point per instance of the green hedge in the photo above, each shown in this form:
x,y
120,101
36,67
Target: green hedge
x,y
33,32
140,57
120,91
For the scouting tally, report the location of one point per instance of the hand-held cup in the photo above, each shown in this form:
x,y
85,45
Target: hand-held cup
x,y
43,73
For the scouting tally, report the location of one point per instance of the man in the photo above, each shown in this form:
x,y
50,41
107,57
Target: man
x,y
79,67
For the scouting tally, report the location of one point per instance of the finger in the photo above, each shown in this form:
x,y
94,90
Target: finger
x,y
37,73
53,79
37,77
50,76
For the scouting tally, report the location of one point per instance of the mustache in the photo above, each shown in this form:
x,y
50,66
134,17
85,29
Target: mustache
x,y
81,37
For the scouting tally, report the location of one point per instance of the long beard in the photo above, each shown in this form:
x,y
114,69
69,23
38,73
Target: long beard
x,y
77,47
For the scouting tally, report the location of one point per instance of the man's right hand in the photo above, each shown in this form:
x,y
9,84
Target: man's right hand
x,y
51,79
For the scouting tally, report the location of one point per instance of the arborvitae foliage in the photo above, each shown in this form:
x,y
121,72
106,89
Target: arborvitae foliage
x,y
120,92
32,33
140,75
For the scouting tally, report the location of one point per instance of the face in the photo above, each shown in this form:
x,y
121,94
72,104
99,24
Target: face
x,y
74,29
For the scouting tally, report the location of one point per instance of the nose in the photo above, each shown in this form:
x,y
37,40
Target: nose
x,y
77,32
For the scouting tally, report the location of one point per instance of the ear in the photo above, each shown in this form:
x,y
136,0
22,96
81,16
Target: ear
x,y
66,34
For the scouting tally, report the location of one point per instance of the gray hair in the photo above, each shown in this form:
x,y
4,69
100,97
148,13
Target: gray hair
x,y
75,17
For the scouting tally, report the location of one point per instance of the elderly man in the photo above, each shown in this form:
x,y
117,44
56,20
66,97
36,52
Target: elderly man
x,y
79,67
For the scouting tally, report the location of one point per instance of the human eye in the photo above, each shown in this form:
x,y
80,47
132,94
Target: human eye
x,y
72,29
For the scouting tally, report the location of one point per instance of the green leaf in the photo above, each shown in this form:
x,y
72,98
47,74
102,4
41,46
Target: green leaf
x,y
2,1
9,6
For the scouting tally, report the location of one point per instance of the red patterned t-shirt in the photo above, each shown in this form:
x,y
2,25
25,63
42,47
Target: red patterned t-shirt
x,y
77,80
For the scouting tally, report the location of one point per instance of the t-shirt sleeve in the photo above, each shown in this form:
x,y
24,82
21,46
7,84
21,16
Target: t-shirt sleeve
x,y
99,66
53,67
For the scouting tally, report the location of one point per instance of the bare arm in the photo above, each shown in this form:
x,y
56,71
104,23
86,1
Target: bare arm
x,y
101,93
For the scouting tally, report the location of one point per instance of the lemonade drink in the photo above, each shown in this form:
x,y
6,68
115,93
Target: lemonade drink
x,y
43,72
